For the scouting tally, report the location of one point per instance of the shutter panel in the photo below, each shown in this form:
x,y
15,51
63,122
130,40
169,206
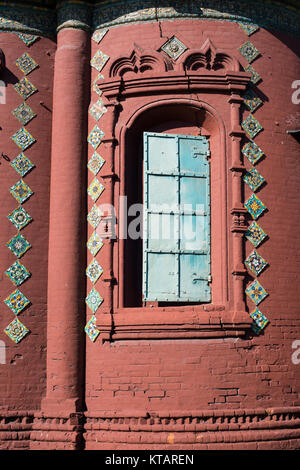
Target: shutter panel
x,y
176,232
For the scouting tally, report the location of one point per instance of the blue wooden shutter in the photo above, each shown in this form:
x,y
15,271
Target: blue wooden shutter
x,y
176,231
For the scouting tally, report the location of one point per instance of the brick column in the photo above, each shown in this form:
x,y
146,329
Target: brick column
x,y
66,274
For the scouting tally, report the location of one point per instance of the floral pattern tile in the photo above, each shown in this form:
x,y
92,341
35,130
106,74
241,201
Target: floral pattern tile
x,y
95,163
98,35
94,271
254,179
16,301
25,88
99,60
26,63
260,319
249,51
255,77
94,300
252,151
19,217
98,109
16,331
23,138
94,216
256,263
251,126
24,113
91,329
17,273
94,244
255,206
251,100
95,137
249,28
255,234
95,189
174,48
256,292
22,164
18,245
28,39
21,191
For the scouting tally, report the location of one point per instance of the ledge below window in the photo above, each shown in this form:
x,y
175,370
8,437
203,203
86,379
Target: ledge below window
x,y
173,323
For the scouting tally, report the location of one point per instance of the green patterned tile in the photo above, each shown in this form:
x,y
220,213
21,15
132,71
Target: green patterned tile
x,y
16,331
18,245
16,301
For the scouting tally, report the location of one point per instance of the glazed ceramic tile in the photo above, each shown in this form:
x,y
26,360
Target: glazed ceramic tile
x,y
94,244
259,318
255,206
19,217
99,60
94,271
16,330
252,152
95,189
256,292
25,88
99,35
251,126
23,138
18,245
91,329
17,273
95,86
94,300
255,77
251,100
174,48
21,191
255,234
28,39
95,137
22,164
249,51
94,216
26,63
16,301
24,113
249,28
97,110
95,163
254,179
256,263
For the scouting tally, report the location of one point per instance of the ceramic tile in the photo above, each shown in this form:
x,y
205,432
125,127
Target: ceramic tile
x,y
23,139
174,48
18,245
255,77
256,263
21,191
94,244
255,234
94,300
249,28
251,126
249,51
25,88
94,271
95,137
252,152
98,109
99,35
255,206
96,88
26,63
95,189
256,292
99,60
260,319
19,217
95,163
251,100
22,164
17,273
94,216
28,39
16,330
91,329
254,179
23,113
16,301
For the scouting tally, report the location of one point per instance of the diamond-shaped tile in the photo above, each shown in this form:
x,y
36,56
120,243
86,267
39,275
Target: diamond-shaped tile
x,y
22,164
19,217
94,216
249,28
99,60
255,206
16,301
26,63
254,179
99,35
16,330
174,48
256,263
94,300
94,244
95,137
95,86
25,88
24,113
21,191
255,234
251,100
256,292
255,77
28,39
91,329
98,109
95,189
249,51
252,152
23,138
18,245
94,271
17,273
251,126
95,163
259,318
